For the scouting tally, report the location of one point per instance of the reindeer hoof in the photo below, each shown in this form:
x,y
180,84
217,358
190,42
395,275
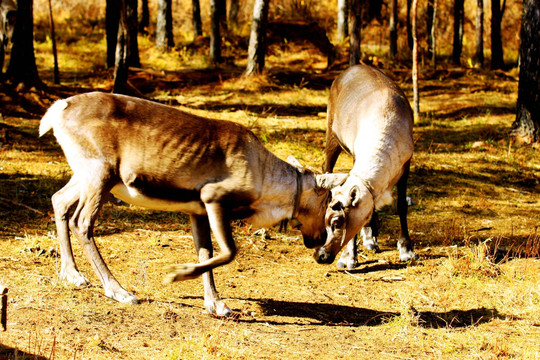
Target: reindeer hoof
x,y
74,278
218,308
181,272
122,296
407,255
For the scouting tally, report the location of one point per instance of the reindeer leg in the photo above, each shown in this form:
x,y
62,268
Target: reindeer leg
x,y
221,228
62,201
348,259
370,234
203,244
405,244
82,224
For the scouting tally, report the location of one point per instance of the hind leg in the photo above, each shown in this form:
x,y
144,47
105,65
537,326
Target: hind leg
x,y
62,202
405,244
332,151
82,224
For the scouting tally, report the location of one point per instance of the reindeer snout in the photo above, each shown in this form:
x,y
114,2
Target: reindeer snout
x,y
323,257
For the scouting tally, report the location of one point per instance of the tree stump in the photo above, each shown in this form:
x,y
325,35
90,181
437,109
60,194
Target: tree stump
x,y
3,306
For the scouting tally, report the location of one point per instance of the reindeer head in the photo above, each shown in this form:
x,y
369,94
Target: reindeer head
x,y
349,209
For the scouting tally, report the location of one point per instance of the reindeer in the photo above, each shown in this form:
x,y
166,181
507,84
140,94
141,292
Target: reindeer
x,y
8,13
161,158
370,118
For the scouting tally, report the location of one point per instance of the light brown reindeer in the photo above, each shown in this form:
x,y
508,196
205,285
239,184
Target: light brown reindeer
x,y
159,157
371,119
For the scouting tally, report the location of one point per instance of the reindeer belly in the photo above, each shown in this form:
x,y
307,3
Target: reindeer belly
x,y
134,196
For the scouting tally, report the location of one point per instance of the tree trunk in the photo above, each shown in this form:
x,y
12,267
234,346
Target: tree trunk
x,y
430,11
356,29
257,38
526,127
112,20
121,85
416,97
164,34
458,32
133,58
409,28
497,59
22,66
196,18
342,20
216,15
478,59
393,25
56,71
145,18
233,13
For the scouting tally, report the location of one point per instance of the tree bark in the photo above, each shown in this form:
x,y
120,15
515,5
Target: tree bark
x,y
356,29
497,58
458,31
257,37
22,66
478,59
145,18
526,127
121,63
416,97
342,20
393,25
430,12
216,8
133,58
164,33
196,18
234,9
56,71
409,27
112,20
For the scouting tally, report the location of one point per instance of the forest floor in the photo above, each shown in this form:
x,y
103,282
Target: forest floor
x,y
472,294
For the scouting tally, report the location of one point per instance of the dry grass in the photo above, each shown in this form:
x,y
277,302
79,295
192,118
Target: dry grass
x,y
473,294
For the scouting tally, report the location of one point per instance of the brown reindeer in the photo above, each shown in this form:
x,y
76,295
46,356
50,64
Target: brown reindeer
x,y
159,157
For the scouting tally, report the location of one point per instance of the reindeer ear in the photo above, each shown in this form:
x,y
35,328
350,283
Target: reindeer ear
x,y
330,181
354,196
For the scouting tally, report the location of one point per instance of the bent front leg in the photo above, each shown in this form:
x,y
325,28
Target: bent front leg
x,y
220,226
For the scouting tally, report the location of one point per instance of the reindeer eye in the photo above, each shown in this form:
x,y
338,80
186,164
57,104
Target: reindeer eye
x,y
337,222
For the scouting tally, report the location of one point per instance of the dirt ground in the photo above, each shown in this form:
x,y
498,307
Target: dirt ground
x,y
477,201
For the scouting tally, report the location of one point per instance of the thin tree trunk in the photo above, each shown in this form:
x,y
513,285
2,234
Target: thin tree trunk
x,y
342,20
215,35
257,38
458,31
409,27
429,27
497,58
145,18
196,19
356,29
233,13
393,25
112,20
479,48
121,63
133,58
164,33
56,71
433,34
526,127
416,97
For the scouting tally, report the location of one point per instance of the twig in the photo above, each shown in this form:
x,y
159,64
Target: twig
x,y
23,205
